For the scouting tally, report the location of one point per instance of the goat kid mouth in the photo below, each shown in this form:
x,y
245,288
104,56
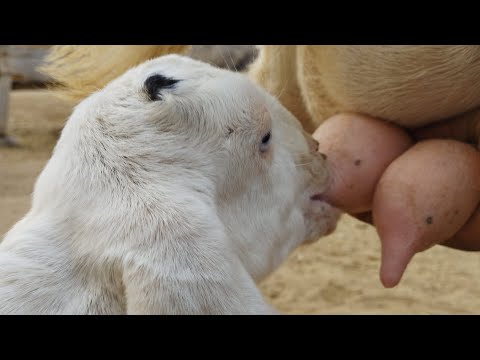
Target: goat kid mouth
x,y
322,198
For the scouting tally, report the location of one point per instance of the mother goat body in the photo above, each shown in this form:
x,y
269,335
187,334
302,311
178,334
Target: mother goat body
x,y
410,85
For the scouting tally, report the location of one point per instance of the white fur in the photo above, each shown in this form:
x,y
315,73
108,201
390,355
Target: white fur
x,y
167,206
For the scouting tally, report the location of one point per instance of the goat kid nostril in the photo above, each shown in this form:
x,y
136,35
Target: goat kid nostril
x,y
324,157
313,145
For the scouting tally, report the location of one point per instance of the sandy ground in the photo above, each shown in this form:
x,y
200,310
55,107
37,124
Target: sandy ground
x,y
336,275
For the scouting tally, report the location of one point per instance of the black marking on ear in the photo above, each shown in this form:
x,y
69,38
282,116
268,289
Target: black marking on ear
x,y
155,83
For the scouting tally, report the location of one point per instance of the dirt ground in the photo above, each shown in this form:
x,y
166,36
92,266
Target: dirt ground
x,y
336,275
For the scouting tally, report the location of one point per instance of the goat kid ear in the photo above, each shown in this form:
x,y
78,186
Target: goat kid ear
x,y
156,83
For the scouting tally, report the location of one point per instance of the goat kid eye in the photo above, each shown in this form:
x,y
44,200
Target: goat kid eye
x,y
265,142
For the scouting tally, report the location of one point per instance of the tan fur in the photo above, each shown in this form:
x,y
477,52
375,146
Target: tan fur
x,y
275,71
83,69
410,85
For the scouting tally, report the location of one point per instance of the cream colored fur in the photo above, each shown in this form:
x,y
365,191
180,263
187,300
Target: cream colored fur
x,y
166,206
406,84
89,67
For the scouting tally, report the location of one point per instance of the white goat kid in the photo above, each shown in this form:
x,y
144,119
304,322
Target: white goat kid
x,y
170,191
